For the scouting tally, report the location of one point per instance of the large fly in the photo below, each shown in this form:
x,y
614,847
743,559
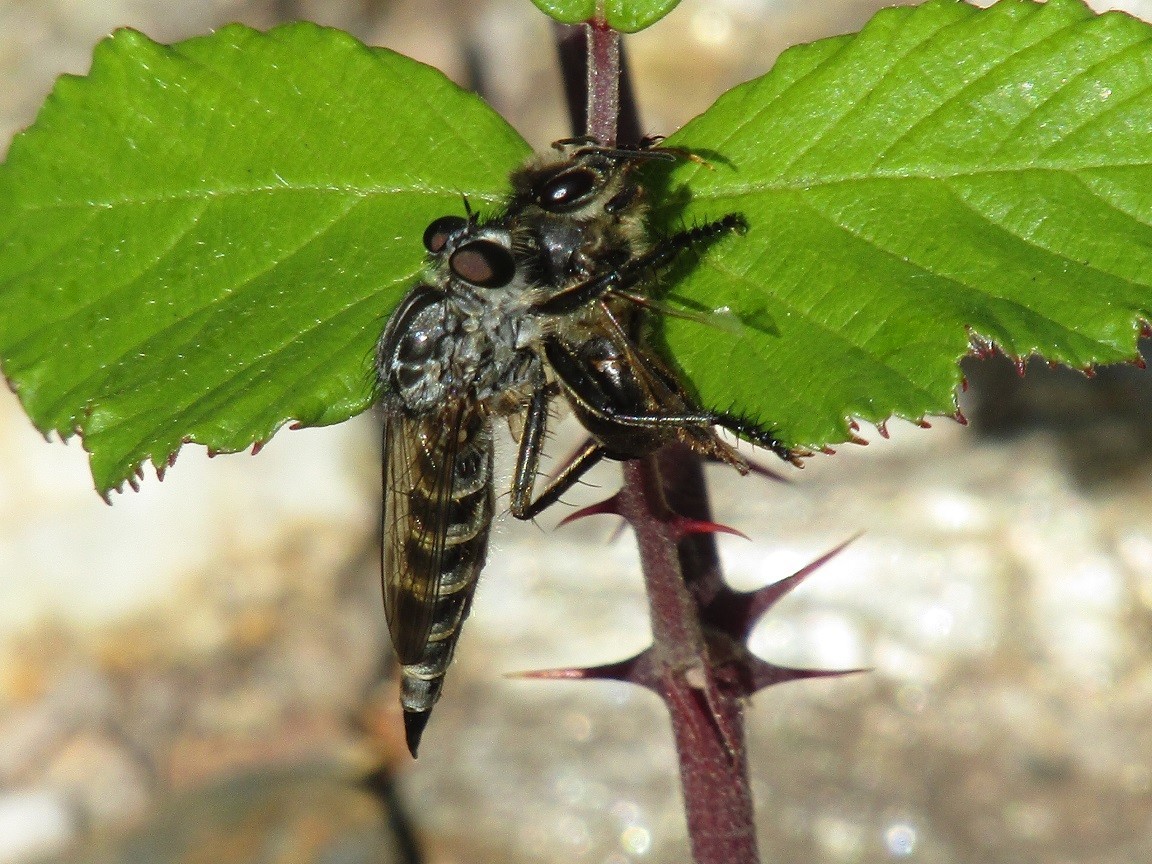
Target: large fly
x,y
543,299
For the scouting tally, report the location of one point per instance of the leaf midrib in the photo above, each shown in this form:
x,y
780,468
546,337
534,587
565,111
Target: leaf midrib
x,y
215,193
805,183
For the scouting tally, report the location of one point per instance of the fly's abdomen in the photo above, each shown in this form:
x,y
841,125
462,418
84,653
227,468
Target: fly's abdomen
x,y
451,522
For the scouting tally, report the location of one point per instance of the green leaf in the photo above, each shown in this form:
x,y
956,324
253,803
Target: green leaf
x,y
947,173
627,16
202,242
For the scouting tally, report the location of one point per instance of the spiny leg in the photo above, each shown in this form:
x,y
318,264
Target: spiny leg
x,y
528,461
528,456
587,458
628,274
758,435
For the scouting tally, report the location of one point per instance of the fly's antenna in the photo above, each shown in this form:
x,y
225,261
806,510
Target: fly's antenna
x,y
644,151
585,142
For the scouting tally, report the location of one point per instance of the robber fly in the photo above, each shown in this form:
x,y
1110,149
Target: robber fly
x,y
544,299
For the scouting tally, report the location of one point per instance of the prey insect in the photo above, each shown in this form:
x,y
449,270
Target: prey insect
x,y
544,299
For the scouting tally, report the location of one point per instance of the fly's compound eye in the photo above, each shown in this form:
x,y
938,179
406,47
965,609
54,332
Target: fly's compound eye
x,y
568,190
437,235
484,264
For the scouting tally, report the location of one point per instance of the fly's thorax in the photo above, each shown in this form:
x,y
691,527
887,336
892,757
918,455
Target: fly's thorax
x,y
465,333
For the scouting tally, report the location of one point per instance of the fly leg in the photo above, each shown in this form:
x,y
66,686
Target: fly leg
x,y
628,274
588,457
618,388
528,461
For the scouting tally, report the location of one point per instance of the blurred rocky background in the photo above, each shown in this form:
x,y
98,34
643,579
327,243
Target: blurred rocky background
x,y
199,672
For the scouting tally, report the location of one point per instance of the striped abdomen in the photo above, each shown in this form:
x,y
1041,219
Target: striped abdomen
x,y
438,512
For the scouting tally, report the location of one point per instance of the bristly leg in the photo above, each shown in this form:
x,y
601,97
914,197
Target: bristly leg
x,y
760,436
623,278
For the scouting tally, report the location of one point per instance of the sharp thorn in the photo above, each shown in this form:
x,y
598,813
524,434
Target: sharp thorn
x,y
768,674
683,526
763,471
608,505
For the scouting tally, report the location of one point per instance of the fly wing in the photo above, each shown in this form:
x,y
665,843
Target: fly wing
x,y
419,465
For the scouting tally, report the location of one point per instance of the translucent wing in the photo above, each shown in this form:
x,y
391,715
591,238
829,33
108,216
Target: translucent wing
x,y
419,465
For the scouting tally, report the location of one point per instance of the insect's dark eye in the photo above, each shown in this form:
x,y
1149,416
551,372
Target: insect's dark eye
x,y
484,264
437,235
567,191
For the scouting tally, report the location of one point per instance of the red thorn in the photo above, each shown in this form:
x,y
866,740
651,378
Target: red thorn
x,y
762,599
635,670
296,425
827,451
608,505
134,482
1139,362
768,674
161,470
979,346
856,439
1089,371
172,456
882,428
923,424
853,425
766,472
257,446
1145,329
960,418
683,526
964,384
213,452
1021,364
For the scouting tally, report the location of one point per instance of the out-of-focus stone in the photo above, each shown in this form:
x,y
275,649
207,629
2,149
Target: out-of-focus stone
x,y
102,777
34,823
307,816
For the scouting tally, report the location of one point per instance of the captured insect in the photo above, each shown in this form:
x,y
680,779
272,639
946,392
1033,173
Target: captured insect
x,y
544,299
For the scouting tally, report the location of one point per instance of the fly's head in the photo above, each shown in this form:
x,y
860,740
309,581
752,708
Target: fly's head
x,y
465,254
484,270
581,209
583,181
460,333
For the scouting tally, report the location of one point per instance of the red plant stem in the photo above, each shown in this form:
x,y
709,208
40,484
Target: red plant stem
x,y
676,630
714,776
681,575
603,82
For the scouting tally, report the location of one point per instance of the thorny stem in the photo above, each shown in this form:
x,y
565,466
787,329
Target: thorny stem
x,y
707,719
699,662
682,574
